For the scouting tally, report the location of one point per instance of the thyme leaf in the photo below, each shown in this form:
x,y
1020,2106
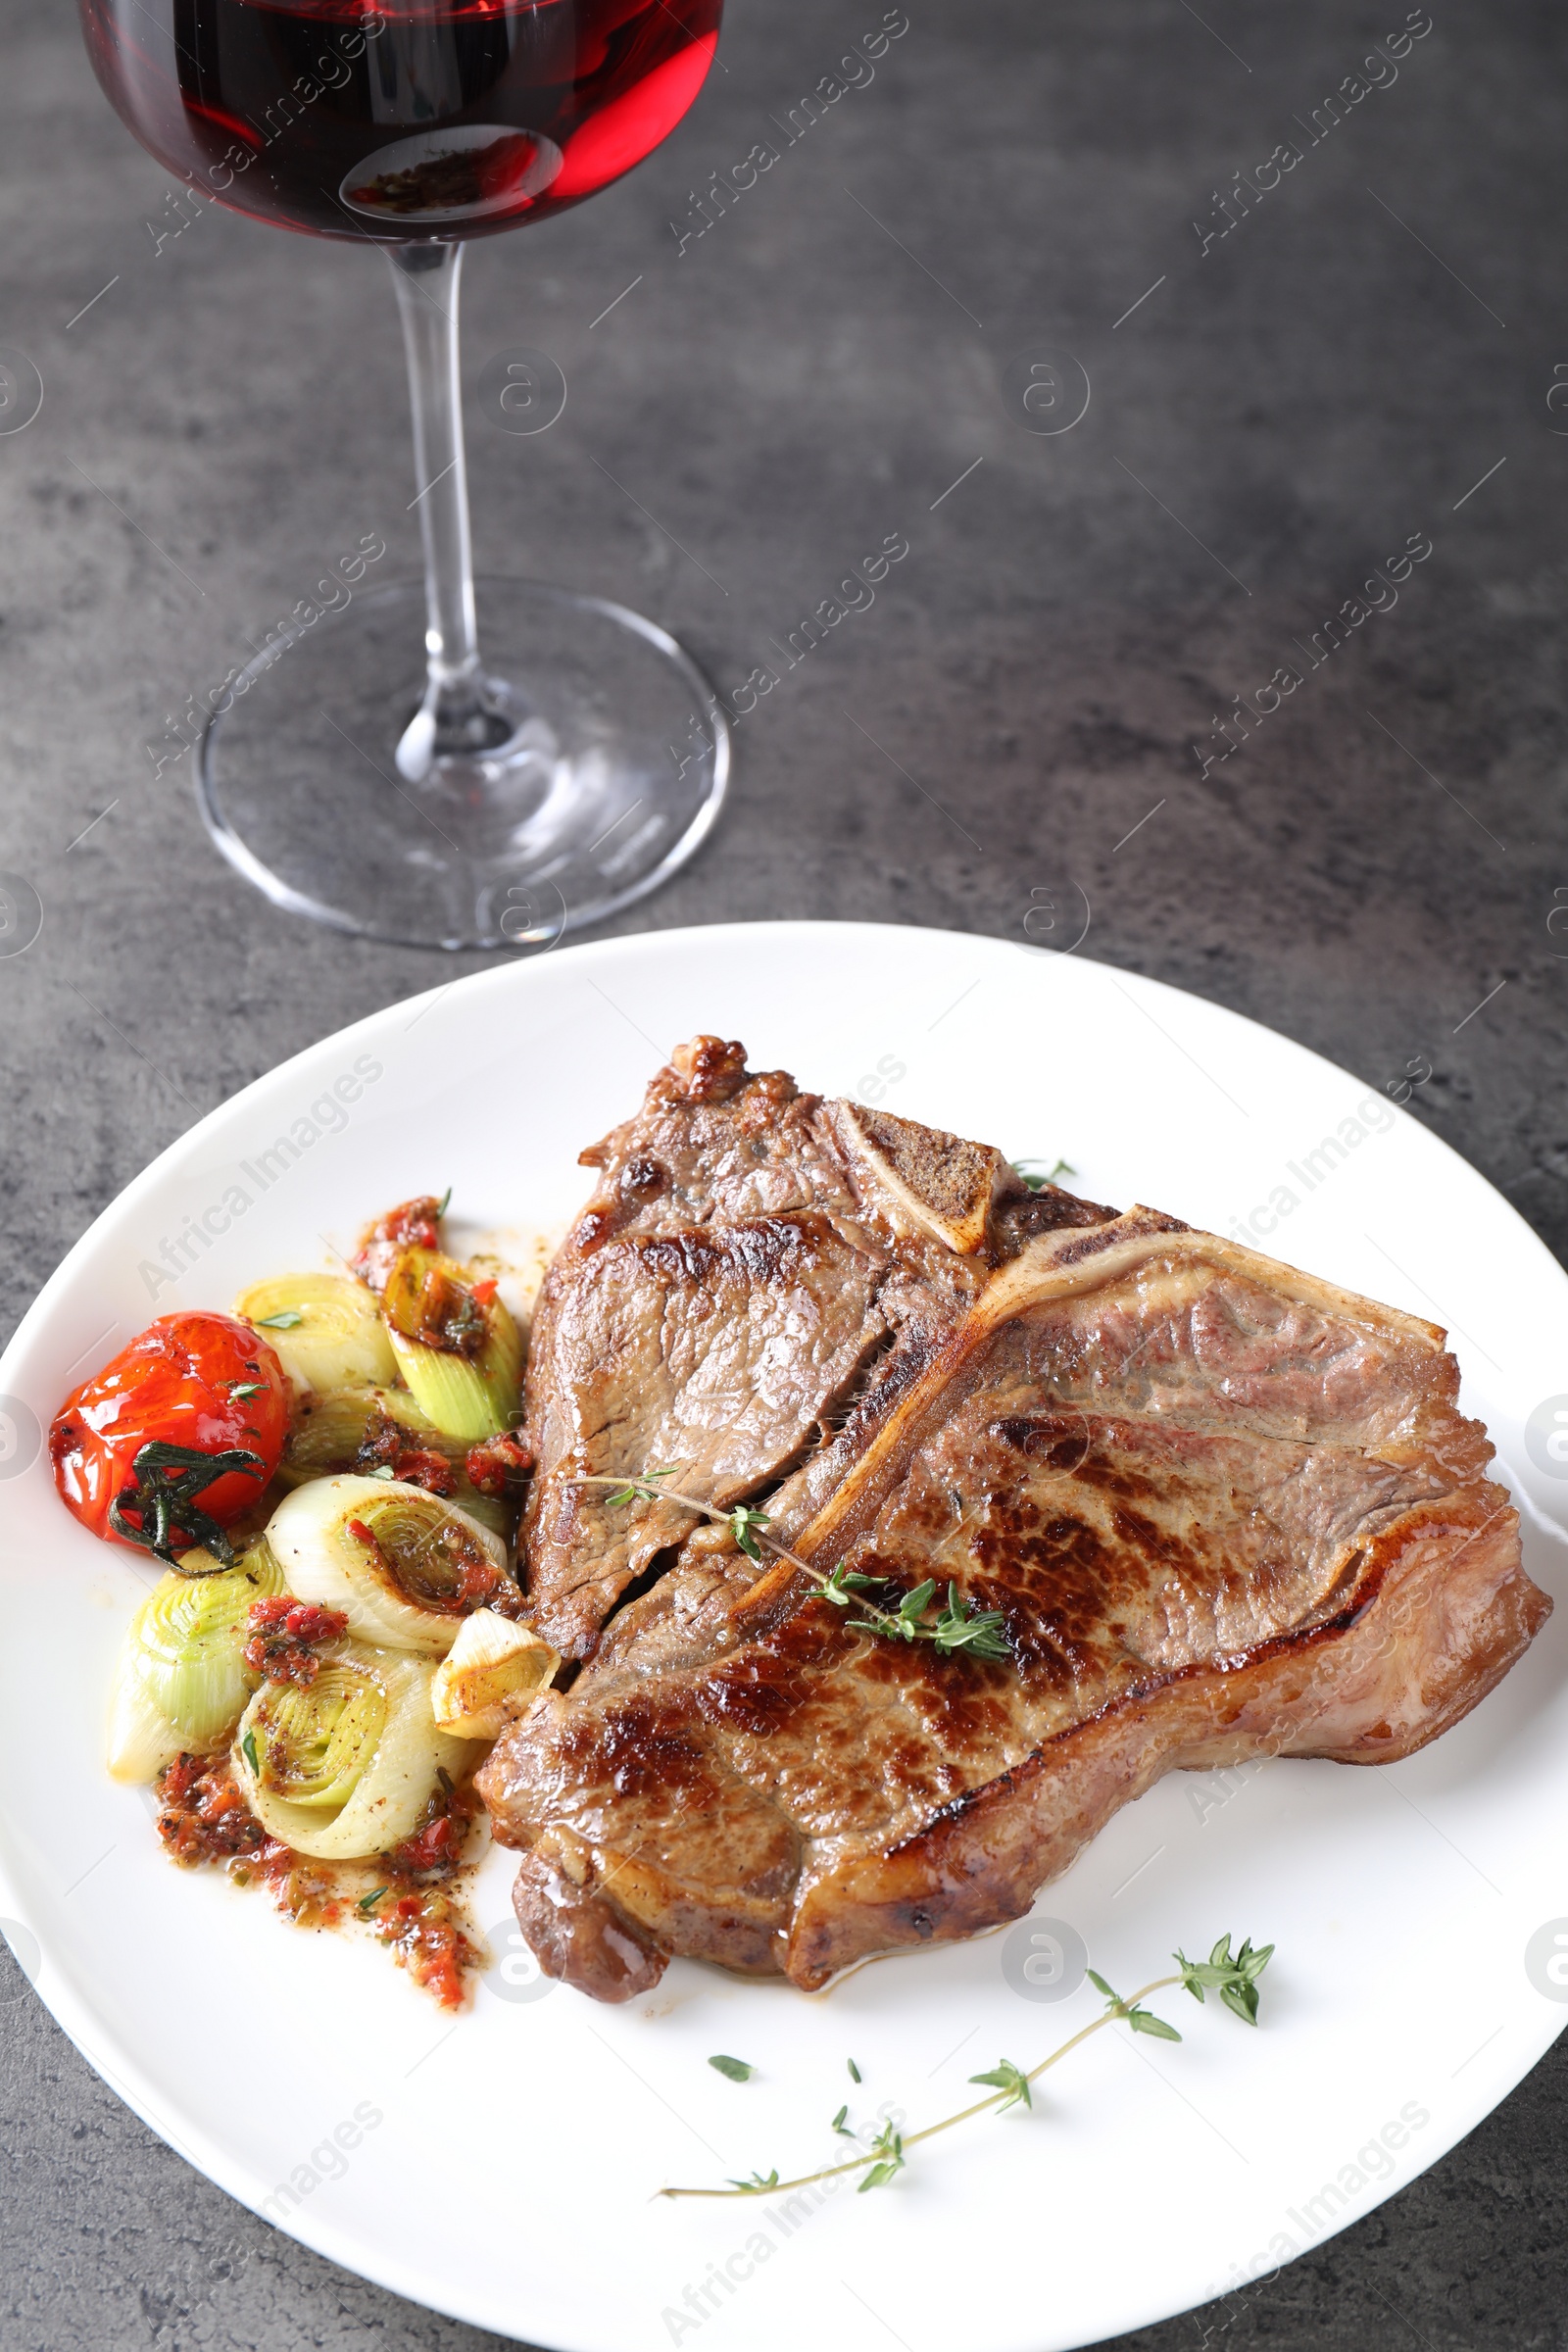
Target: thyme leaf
x,y
886,2150
854,2072
837,1587
962,1626
643,1489
742,1523
165,1481
1234,1980
248,1750
1142,2021
1008,2077
753,2188
735,2070
287,1318
839,2124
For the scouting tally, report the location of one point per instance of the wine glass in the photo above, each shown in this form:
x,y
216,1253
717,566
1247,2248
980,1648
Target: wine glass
x,y
582,760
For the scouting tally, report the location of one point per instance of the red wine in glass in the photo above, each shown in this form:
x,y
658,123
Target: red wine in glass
x,y
287,111
470,814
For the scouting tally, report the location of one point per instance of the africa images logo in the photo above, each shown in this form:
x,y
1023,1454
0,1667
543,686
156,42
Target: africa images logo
x,y
1547,1437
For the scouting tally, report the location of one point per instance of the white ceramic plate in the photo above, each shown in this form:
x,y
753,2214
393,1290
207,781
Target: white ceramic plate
x,y
500,2168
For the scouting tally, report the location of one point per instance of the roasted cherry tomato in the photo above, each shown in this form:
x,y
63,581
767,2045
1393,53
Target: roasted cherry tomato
x,y
131,1446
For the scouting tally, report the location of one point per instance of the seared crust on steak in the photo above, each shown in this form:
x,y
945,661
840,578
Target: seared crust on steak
x,y
1224,1509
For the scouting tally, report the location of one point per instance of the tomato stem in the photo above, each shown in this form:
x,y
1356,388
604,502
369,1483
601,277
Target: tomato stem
x,y
165,1482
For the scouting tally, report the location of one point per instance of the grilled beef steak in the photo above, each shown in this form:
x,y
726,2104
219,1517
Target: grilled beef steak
x,y
1225,1510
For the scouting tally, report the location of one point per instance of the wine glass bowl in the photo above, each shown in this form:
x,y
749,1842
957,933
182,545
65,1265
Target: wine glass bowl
x,y
510,796
285,109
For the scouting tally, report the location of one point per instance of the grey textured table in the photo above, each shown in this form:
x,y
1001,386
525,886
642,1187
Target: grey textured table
x,y
1366,358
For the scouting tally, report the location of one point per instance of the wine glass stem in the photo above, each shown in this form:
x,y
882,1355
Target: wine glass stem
x,y
453,715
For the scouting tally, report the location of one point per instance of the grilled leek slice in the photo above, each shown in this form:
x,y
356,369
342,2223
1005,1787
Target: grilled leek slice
x,y
456,1343
331,1427
345,1765
405,1567
181,1679
491,1672
326,1329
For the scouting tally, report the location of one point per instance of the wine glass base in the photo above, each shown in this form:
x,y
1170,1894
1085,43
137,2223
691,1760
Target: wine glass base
x,y
613,773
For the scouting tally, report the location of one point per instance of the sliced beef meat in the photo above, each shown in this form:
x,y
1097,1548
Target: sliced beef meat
x,y
721,1352
748,1252
1225,1510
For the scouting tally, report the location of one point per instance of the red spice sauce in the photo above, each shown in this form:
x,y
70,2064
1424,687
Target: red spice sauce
x,y
497,1466
409,1897
413,1224
389,1445
282,1632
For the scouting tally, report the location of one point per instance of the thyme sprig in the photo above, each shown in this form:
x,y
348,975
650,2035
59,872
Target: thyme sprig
x,y
1223,1972
958,1625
